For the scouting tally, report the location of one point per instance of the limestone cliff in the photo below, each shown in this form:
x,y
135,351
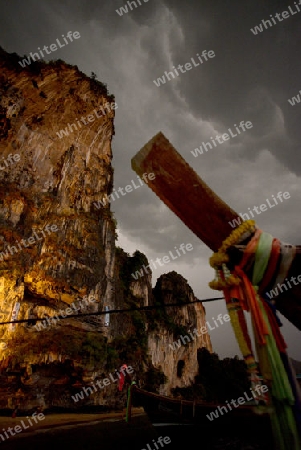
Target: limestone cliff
x,y
54,183
176,355
57,250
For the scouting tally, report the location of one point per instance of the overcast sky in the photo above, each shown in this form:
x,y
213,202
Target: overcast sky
x,y
250,78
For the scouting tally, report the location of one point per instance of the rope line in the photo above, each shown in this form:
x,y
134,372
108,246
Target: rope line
x,y
115,311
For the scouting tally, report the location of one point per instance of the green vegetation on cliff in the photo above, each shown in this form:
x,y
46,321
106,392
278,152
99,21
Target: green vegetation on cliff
x,y
162,317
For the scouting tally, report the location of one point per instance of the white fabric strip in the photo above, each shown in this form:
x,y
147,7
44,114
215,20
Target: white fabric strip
x,y
288,253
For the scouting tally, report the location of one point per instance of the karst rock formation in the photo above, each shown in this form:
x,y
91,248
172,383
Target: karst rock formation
x,y
58,251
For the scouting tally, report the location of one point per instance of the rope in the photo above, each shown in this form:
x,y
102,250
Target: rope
x,y
116,311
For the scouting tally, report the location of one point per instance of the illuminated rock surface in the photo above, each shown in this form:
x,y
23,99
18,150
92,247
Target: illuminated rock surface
x,y
55,182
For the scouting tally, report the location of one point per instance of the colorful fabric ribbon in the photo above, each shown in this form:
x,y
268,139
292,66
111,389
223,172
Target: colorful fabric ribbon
x,y
242,292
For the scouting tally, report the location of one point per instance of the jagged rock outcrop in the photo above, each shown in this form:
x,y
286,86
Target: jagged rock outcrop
x,y
173,347
57,250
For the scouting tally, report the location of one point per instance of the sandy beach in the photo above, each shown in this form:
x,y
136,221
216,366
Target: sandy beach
x,y
109,431
81,431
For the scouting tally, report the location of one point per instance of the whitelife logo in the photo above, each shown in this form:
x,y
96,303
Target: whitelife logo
x,y
88,390
18,428
188,66
53,48
241,401
263,207
285,15
128,188
165,259
274,292
31,240
295,100
222,138
166,440
49,321
10,160
124,8
90,118
185,339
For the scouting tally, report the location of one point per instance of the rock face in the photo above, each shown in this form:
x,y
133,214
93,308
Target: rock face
x,y
57,249
174,347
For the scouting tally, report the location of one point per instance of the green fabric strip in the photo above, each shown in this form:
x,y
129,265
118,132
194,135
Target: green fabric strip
x,y
282,419
262,257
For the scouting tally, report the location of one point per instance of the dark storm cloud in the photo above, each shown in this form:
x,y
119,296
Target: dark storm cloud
x,y
250,74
